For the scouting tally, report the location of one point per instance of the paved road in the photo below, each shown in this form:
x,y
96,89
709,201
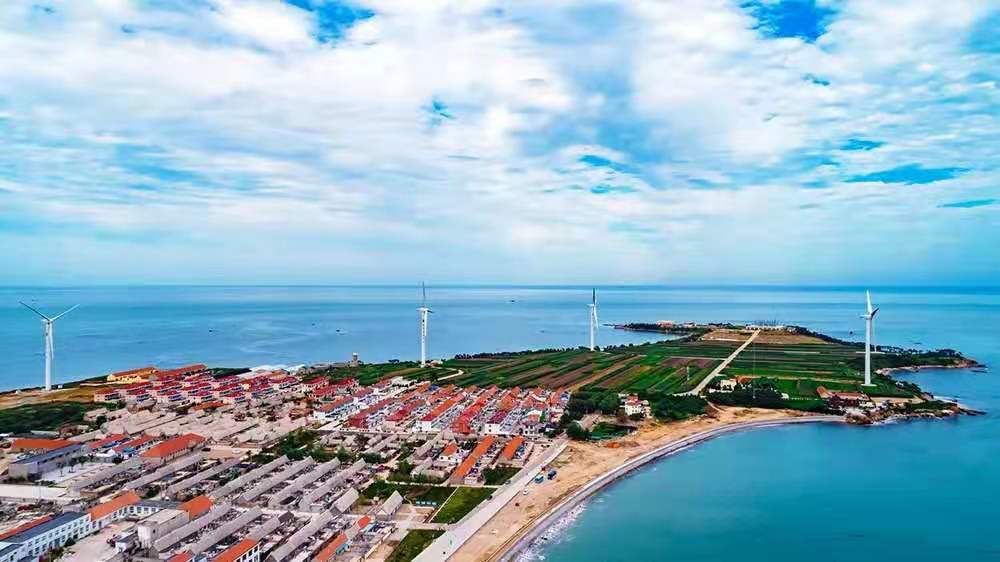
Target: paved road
x,y
447,544
457,373
704,382
574,500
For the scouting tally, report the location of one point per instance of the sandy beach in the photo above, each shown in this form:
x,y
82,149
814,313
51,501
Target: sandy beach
x,y
581,463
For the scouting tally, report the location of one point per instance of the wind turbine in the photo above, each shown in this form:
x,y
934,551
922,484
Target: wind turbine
x,y
593,318
424,311
47,329
869,318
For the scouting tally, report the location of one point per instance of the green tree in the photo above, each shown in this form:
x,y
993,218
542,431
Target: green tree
x,y
609,403
576,432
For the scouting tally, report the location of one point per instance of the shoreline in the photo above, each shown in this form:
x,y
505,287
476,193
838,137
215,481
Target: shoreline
x,y
547,520
588,468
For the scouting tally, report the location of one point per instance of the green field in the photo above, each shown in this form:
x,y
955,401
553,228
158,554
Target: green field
x,y
677,366
665,367
371,373
499,475
43,417
413,544
460,503
424,494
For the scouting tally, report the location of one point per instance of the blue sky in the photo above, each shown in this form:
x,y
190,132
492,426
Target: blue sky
x,y
386,141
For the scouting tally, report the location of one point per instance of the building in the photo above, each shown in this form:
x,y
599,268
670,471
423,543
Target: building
x,y
196,507
451,455
135,446
159,524
33,445
38,464
172,448
633,406
29,542
247,550
510,450
141,374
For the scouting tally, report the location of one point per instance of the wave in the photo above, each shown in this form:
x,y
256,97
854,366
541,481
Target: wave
x,y
554,534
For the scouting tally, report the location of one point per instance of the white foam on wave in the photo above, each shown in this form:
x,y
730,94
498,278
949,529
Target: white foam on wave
x,y
554,534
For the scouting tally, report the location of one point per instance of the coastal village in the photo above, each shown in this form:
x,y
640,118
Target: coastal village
x,y
354,461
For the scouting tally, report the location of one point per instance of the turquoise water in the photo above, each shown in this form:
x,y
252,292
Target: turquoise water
x,y
909,491
914,491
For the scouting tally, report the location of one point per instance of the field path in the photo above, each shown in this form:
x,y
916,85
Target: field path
x,y
704,382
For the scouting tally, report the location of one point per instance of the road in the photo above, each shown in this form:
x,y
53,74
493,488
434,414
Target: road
x,y
594,485
715,372
448,543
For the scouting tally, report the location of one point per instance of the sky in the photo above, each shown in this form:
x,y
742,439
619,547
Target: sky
x,y
557,141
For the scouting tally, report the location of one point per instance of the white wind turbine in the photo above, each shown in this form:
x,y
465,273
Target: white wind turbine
x,y
869,318
47,329
593,318
424,311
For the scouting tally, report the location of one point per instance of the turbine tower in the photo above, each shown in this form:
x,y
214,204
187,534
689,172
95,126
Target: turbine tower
x,y
869,318
47,329
424,311
593,318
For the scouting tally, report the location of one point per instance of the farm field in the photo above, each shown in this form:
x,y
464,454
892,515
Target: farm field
x,y
797,363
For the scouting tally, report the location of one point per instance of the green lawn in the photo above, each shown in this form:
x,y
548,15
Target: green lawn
x,y
500,475
412,493
413,544
460,503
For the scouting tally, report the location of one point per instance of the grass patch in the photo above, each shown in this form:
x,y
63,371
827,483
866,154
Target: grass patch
x,y
413,544
499,475
413,493
605,430
43,417
460,503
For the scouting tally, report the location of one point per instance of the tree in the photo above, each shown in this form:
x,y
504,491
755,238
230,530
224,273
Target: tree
x,y
609,403
576,432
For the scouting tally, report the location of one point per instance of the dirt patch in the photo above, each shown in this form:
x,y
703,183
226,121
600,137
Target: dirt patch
x,y
77,394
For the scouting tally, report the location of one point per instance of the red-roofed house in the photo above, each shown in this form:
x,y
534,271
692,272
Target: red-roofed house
x,y
118,507
451,454
464,470
247,550
507,455
336,546
38,445
173,448
196,506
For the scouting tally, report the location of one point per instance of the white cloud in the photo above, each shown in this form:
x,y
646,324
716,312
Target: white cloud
x,y
232,139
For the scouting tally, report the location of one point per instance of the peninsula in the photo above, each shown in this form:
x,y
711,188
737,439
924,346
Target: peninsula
x,y
463,459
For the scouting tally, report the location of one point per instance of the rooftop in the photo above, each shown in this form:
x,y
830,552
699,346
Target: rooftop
x,y
43,525
233,553
102,510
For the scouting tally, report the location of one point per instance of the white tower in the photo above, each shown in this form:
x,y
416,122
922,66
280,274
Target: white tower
x,y
869,318
593,318
48,325
424,311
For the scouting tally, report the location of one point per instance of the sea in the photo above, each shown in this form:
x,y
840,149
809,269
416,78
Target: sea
x,y
913,490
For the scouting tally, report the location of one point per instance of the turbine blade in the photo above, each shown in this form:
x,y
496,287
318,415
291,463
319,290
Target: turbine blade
x,y
593,296
35,310
868,298
874,312
70,309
